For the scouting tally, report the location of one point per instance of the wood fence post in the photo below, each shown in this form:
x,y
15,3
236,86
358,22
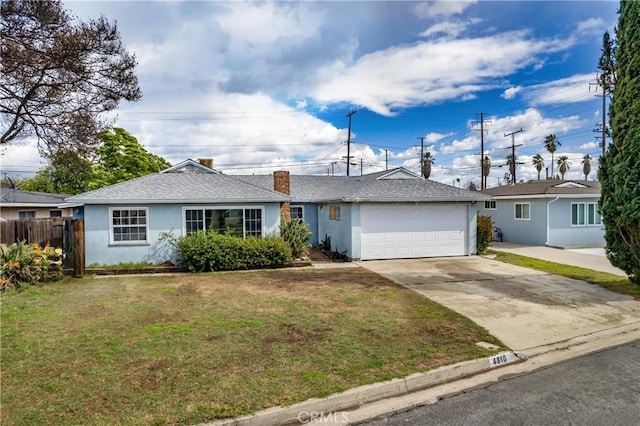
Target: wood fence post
x,y
78,248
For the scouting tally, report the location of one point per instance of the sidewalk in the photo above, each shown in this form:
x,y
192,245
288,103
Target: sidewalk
x,y
589,259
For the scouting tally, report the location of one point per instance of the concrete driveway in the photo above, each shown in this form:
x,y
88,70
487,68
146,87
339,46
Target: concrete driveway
x,y
522,307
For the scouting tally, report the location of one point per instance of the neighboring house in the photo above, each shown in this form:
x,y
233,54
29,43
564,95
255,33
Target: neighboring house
x,y
17,204
547,212
390,214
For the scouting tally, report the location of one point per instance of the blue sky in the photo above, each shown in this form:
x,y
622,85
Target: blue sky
x,y
263,86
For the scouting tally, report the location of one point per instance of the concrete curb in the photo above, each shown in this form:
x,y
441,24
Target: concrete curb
x,y
304,411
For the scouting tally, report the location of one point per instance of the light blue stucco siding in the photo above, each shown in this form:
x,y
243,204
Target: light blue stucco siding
x,y
310,214
161,218
563,234
532,231
339,230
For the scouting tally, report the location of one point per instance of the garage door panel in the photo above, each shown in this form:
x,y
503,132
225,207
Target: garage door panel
x,y
392,232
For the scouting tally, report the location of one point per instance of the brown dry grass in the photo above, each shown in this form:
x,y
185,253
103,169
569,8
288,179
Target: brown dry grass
x,y
190,348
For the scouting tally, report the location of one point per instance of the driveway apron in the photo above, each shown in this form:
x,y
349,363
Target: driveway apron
x,y
522,307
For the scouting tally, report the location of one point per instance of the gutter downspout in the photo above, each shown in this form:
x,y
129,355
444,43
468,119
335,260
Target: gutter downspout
x,y
548,203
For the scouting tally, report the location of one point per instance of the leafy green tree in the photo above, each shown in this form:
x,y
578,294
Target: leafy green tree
x,y
122,158
563,164
59,75
551,143
619,171
66,173
538,163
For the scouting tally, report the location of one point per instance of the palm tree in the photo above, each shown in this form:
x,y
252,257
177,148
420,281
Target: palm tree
x,y
563,164
586,165
427,161
486,169
551,143
511,162
538,163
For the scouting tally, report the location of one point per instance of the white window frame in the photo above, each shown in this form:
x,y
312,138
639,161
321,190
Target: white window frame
x,y
133,242
244,208
298,206
515,211
493,205
334,212
596,215
578,215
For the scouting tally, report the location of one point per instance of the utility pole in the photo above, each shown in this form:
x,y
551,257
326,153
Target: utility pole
x,y
482,130
332,164
386,159
513,152
421,154
353,111
602,82
361,166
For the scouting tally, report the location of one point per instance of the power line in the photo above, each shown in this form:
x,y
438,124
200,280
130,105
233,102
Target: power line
x,y
513,153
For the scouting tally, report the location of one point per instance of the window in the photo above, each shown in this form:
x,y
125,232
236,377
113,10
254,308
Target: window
x,y
522,211
297,212
240,222
27,214
577,214
55,213
593,215
129,226
490,205
334,212
585,214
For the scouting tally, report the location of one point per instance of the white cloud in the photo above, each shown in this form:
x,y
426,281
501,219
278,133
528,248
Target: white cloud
x,y
435,137
465,144
430,72
452,29
589,146
591,26
511,92
431,9
566,90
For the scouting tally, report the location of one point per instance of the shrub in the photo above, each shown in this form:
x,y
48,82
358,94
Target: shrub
x,y
297,234
205,251
484,232
25,264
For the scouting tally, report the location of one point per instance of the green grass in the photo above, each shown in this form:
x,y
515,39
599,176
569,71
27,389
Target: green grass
x,y
615,283
186,349
122,265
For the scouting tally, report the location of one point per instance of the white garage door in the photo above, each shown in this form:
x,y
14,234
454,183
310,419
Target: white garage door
x,y
398,232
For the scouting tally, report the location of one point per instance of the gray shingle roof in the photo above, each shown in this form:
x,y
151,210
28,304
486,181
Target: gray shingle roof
x,y
396,185
180,188
373,187
19,197
546,187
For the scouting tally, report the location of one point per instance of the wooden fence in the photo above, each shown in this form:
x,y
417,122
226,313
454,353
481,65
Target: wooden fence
x,y
65,233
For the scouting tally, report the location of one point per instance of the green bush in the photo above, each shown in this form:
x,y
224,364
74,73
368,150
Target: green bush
x,y
484,233
205,251
25,264
297,234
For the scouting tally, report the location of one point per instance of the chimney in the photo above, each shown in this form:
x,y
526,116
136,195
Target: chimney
x,y
281,183
207,162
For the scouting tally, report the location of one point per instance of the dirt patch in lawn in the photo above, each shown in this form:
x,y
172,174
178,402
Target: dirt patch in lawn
x,y
191,348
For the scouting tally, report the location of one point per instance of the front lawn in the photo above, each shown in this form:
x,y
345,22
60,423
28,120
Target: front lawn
x,y
190,348
615,283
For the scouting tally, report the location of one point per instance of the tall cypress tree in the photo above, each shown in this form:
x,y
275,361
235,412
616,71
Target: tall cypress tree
x,y
620,167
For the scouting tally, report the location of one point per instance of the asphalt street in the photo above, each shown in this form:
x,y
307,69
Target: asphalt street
x,y
601,388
